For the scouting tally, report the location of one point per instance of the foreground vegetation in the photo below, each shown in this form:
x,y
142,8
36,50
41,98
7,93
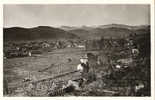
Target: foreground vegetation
x,y
114,69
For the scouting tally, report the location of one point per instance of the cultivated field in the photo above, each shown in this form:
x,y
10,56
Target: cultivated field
x,y
42,66
118,67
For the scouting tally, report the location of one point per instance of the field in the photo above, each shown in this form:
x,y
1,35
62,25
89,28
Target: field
x,y
115,70
16,69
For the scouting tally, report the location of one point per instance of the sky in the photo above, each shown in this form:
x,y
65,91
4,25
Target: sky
x,y
32,15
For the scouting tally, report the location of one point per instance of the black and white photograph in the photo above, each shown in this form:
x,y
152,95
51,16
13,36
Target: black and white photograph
x,y
65,50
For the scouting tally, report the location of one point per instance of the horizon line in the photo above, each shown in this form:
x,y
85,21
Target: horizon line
x,y
58,26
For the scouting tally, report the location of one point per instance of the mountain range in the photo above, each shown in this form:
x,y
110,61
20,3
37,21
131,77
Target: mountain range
x,y
40,32
110,30
72,32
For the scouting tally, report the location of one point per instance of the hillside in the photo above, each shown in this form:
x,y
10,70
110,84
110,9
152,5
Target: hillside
x,y
40,32
111,30
99,32
83,32
123,26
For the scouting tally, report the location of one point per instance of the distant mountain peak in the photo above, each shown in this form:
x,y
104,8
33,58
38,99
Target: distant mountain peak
x,y
72,32
36,33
